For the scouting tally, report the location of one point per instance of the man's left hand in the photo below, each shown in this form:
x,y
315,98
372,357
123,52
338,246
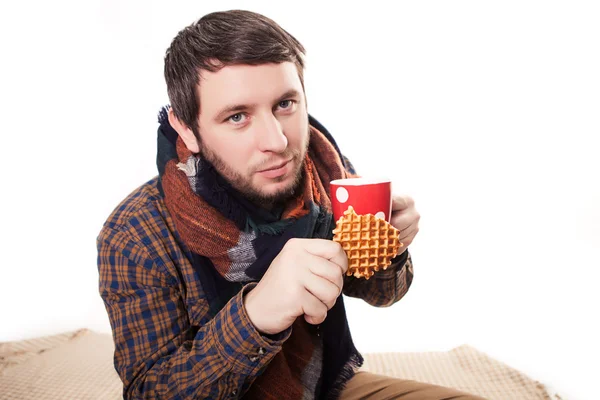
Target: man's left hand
x,y
405,218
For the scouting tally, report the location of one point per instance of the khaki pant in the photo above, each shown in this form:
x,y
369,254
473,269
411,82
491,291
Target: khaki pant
x,y
366,385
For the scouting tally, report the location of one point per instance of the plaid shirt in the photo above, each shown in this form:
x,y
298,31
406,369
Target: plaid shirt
x,y
168,345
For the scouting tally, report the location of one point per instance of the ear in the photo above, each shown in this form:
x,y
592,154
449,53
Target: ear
x,y
185,133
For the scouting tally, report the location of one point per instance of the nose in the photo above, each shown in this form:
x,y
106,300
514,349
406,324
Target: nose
x,y
270,136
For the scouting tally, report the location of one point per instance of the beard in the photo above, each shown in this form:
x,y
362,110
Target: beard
x,y
243,182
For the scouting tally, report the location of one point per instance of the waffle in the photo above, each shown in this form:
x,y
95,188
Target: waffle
x,y
369,242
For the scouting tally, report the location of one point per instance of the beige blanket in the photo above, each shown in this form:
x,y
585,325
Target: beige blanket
x,y
78,365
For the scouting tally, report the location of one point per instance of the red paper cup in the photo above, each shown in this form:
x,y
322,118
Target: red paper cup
x,y
366,196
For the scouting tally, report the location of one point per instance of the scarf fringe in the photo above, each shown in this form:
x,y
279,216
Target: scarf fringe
x,y
348,371
273,229
215,192
163,114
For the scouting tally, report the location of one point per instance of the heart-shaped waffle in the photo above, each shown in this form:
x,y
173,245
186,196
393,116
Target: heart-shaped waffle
x,y
369,242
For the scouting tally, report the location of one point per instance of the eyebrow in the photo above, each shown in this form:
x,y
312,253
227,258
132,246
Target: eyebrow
x,y
241,107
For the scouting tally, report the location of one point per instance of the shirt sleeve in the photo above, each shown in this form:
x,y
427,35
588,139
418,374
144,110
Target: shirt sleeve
x,y
158,355
386,287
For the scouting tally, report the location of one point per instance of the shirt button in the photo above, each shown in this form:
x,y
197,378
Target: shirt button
x,y
253,358
234,393
261,351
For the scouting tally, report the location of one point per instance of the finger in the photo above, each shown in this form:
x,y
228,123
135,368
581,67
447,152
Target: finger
x,y
402,221
327,270
406,237
400,203
405,219
329,250
314,310
411,230
322,289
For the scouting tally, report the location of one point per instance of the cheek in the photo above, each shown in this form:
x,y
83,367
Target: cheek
x,y
238,156
297,132
235,152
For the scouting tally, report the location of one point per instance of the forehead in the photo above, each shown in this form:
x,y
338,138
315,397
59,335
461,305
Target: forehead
x,y
246,84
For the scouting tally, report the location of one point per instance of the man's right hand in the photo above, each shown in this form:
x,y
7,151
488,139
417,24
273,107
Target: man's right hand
x,y
306,278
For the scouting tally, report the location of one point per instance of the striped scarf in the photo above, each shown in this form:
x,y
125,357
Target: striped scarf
x,y
241,240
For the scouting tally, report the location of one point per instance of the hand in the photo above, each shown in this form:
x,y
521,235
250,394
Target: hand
x,y
305,278
405,218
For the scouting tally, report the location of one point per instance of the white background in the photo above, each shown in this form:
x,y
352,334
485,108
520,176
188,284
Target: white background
x,y
487,113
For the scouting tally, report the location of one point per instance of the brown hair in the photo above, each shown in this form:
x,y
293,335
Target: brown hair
x,y
217,40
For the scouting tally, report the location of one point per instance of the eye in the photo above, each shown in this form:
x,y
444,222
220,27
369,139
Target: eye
x,y
287,105
236,118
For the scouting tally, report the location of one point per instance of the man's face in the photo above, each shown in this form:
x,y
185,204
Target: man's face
x,y
254,128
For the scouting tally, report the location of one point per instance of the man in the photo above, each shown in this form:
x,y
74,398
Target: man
x,y
219,276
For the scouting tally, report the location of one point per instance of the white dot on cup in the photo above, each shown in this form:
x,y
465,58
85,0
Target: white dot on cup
x,y
380,214
341,194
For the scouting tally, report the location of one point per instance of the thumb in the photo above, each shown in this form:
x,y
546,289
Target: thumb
x,y
400,203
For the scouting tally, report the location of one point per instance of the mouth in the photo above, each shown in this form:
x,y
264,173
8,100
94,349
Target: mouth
x,y
276,171
276,166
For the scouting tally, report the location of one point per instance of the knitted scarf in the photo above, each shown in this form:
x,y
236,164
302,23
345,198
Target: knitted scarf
x,y
239,240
